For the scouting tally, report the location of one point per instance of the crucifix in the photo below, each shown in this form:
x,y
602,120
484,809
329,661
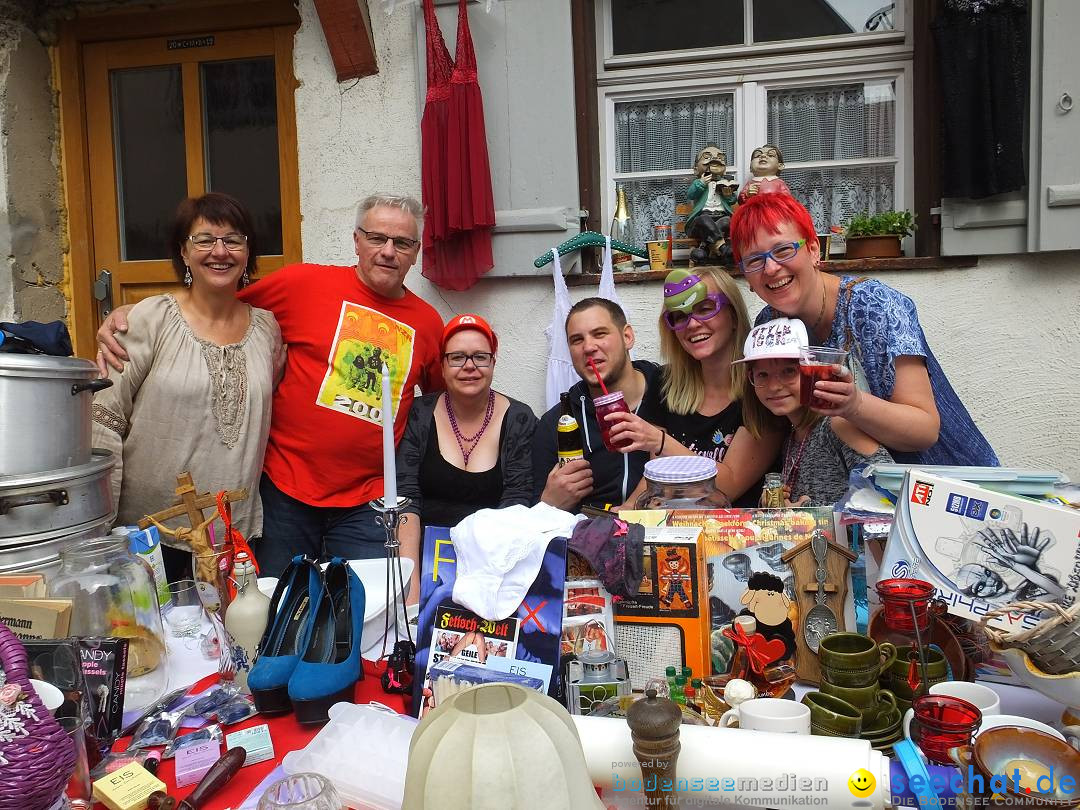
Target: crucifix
x,y
196,535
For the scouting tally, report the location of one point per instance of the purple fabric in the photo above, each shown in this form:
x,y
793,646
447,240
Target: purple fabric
x,y
615,551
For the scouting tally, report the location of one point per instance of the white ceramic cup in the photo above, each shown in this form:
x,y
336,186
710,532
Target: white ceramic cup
x,y
52,697
983,697
769,714
990,721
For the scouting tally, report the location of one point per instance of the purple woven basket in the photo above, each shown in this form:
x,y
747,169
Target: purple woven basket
x,y
40,756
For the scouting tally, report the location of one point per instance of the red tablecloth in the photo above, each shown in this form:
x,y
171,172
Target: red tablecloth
x,y
286,733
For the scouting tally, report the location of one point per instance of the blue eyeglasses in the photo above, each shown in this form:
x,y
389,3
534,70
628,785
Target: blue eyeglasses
x,y
781,254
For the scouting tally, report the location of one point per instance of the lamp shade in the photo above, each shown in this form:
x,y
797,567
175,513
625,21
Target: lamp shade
x,y
498,746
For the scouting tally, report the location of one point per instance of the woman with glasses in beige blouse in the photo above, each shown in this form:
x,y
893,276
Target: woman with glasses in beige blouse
x,y
195,394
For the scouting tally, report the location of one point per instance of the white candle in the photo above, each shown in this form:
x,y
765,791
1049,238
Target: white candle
x,y
389,465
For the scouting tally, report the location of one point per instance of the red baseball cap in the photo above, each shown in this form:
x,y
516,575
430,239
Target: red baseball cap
x,y
462,322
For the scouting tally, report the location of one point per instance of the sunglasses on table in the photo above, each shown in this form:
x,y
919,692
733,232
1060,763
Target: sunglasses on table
x,y
702,311
785,374
459,359
781,254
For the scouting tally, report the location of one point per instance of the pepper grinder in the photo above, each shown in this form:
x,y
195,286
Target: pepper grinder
x,y
654,728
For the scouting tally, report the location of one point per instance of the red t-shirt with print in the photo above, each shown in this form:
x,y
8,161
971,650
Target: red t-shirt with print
x,y
325,445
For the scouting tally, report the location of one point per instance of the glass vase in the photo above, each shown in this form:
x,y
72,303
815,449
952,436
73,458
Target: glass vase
x,y
112,593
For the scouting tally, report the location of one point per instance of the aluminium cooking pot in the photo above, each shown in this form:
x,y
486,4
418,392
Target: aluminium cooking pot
x,y
45,412
41,552
55,500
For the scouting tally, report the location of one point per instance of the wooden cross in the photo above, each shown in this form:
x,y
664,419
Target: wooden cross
x,y
195,536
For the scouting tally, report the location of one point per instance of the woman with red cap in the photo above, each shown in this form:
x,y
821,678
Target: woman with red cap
x,y
466,448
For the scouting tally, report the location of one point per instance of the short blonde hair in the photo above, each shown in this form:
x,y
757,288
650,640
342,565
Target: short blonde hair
x,y
683,385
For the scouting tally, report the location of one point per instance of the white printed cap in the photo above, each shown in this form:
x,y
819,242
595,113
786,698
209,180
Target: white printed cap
x,y
783,338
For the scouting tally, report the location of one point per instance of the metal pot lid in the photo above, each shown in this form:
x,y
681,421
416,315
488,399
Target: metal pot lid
x,y
100,461
43,365
96,529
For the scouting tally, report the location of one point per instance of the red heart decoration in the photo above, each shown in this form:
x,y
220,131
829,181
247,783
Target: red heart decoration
x,y
765,651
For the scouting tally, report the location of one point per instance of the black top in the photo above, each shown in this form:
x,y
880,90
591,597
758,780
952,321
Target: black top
x,y
515,457
706,435
451,493
615,475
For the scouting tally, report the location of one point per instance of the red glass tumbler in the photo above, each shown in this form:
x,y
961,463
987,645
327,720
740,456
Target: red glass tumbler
x,y
607,404
942,722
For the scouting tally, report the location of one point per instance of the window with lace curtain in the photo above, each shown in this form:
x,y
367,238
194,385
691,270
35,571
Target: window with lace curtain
x,y
824,81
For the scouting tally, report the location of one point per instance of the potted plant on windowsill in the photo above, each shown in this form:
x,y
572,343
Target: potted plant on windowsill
x,y
878,236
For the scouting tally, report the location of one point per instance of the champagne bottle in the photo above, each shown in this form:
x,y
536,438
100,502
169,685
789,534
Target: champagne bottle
x,y
622,229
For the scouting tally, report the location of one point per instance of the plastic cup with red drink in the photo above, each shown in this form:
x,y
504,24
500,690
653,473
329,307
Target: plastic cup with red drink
x,y
608,404
818,363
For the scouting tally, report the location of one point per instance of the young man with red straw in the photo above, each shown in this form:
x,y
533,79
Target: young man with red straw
x,y
600,340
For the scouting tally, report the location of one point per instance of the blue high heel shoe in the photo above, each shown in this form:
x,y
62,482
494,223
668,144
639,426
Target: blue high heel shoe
x,y
286,635
330,665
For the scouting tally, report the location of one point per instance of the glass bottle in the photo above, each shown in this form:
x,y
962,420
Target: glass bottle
x,y
622,229
681,482
246,617
568,434
112,593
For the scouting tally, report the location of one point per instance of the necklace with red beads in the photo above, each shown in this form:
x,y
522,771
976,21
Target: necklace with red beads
x,y
462,439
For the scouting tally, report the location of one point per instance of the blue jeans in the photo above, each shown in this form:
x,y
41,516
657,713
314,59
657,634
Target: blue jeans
x,y
292,527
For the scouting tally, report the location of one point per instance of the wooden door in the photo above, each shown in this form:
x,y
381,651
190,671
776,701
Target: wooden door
x,y
173,117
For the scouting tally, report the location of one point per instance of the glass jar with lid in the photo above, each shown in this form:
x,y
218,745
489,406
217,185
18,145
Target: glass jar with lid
x,y
112,593
681,482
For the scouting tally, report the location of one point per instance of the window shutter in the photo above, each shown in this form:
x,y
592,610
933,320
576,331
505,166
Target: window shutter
x,y
525,64
1045,216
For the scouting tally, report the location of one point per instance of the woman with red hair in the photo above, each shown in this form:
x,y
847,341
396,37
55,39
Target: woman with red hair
x,y
903,398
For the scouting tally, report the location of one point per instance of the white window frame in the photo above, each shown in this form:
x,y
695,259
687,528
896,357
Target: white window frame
x,y
807,63
606,51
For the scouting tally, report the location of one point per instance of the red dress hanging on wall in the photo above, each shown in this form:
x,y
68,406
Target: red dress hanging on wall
x,y
456,177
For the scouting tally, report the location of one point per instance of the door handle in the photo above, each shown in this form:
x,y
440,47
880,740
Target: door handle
x,y
103,293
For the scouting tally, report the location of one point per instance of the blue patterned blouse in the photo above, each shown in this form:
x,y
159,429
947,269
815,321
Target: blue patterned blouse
x,y
879,324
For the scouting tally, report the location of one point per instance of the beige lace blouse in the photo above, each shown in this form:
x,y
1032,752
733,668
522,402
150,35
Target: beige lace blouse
x,y
185,404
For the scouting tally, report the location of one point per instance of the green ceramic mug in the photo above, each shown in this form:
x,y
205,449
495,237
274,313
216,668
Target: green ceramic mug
x,y
871,701
852,659
832,717
895,677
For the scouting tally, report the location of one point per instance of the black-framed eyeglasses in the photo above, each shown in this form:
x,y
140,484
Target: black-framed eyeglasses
x,y
459,359
702,311
780,254
785,374
401,244
205,242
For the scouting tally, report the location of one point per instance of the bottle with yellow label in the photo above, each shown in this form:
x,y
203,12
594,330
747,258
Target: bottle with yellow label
x,y
569,443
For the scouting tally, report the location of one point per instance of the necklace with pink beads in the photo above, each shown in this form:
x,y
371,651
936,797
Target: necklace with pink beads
x,y
462,439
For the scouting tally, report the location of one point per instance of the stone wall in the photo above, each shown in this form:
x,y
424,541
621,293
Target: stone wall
x,y
31,216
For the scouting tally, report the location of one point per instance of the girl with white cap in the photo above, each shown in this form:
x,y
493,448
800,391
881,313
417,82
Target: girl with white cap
x,y
820,451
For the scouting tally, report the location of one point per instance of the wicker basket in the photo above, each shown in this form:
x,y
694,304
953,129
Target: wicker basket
x,y
37,757
1053,645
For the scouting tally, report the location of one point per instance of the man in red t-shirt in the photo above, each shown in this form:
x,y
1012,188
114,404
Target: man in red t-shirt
x,y
323,460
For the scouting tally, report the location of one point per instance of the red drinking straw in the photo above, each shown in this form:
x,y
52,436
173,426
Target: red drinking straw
x,y
599,379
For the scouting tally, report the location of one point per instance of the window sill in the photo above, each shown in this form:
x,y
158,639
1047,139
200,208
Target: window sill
x,y
832,266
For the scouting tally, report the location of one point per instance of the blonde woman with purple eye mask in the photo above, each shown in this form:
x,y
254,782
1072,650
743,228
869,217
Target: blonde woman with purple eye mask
x,y
703,323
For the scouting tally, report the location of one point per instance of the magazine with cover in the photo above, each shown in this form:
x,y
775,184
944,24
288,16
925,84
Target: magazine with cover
x,y
539,616
588,623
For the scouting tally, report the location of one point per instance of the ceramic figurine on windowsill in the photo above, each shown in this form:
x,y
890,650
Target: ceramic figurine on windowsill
x,y
714,197
766,163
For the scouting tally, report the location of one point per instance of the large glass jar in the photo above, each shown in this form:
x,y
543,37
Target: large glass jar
x,y
113,594
681,482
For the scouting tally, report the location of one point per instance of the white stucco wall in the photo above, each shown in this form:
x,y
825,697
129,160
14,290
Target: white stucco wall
x,y
1005,332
